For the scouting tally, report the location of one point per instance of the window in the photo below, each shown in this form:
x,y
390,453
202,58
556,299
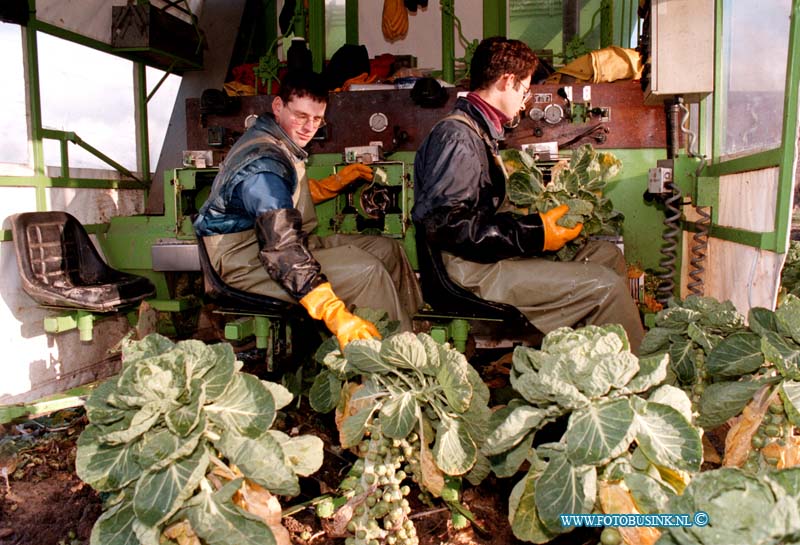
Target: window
x,y
334,26
755,38
13,126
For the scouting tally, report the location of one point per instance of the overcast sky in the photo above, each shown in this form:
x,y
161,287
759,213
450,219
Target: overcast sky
x,y
83,91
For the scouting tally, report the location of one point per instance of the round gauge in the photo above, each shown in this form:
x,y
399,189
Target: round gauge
x,y
537,114
250,120
553,114
378,122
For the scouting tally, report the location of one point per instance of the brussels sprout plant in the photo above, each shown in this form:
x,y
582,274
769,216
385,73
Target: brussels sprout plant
x,y
178,437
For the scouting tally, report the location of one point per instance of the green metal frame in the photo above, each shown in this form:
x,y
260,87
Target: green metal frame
x,y
316,33
37,133
351,22
494,18
782,157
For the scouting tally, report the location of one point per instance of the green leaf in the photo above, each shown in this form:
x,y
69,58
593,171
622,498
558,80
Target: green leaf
x,y
525,522
523,189
671,396
649,494
152,345
787,315
280,394
353,427
723,400
262,460
143,420
790,394
762,320
657,340
454,450
432,352
246,406
161,493
182,419
652,372
737,355
99,410
404,351
365,356
667,438
217,521
325,392
160,447
115,527
564,488
599,432
513,429
217,369
480,470
303,453
399,415
105,467
452,377
682,356
703,337
509,462
782,353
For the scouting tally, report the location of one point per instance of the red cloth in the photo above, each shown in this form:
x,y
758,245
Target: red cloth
x,y
495,116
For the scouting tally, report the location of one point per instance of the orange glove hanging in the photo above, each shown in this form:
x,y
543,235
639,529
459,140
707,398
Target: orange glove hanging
x,y
322,304
555,236
326,188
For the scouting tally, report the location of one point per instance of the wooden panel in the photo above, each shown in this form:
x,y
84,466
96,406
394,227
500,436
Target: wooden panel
x,y
748,277
631,124
747,200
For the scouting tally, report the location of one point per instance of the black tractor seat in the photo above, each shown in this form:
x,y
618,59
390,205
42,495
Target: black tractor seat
x,y
449,299
234,299
60,267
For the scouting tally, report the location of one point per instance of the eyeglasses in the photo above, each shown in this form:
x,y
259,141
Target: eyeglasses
x,y
527,93
299,119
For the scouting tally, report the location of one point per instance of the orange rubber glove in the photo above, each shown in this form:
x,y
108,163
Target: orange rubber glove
x,y
322,304
326,188
555,236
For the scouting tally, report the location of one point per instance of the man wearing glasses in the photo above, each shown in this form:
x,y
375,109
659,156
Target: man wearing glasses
x,y
459,192
257,219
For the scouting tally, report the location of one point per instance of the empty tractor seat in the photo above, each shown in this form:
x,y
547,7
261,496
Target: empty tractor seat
x,y
59,266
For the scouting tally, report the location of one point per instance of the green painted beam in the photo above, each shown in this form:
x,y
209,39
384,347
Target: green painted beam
x,y
75,397
494,18
316,33
85,183
140,110
783,213
756,161
448,41
351,22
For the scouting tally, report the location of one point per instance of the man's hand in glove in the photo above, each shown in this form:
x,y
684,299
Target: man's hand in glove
x,y
322,304
555,236
326,188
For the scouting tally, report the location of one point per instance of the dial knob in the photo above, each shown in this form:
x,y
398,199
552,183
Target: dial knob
x,y
553,114
537,114
378,122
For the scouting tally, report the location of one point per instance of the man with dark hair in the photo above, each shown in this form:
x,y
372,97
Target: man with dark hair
x,y
257,219
459,195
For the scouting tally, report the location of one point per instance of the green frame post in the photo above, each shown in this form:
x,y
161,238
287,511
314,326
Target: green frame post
x,y
140,114
351,22
494,18
448,41
316,33
782,157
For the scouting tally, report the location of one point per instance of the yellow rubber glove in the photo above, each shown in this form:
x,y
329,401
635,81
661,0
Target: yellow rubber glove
x,y
555,236
326,188
322,304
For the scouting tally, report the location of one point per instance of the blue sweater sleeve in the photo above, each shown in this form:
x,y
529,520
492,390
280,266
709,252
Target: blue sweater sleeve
x,y
263,192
